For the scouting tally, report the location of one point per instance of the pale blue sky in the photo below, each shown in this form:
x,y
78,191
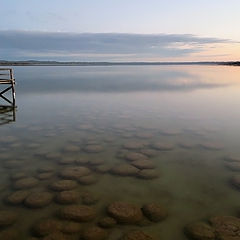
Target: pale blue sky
x,y
205,18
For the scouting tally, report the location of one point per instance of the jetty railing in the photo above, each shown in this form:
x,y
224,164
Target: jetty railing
x,y
7,80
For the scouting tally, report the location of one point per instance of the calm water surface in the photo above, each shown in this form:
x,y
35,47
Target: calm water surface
x,y
62,112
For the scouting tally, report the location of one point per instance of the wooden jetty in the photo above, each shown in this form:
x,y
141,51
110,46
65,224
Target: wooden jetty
x,y
7,81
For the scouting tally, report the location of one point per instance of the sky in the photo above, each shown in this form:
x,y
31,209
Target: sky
x,y
120,30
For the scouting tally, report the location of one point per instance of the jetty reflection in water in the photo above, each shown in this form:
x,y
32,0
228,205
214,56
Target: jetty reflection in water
x,y
7,114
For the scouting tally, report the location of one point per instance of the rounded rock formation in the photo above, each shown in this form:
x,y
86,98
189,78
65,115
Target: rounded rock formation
x,y
143,164
149,152
200,231
38,199
107,222
125,213
57,236
211,146
154,212
79,213
102,168
160,146
236,181
226,227
87,180
74,172
71,227
134,145
94,233
93,148
124,170
134,156
45,227
45,176
71,148
7,218
234,166
10,234
68,197
148,174
25,183
45,169
63,185
89,199
136,235
17,197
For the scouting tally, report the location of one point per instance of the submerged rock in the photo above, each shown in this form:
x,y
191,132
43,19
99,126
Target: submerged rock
x,y
81,161
144,135
18,175
200,231
124,170
133,145
89,198
211,146
79,213
143,164
10,234
88,180
134,156
94,233
102,168
226,227
58,236
234,166
25,183
45,169
68,197
17,197
220,228
125,212
149,152
232,159
71,148
93,148
38,199
46,226
187,145
155,212
95,162
7,218
12,164
44,176
74,172
63,185
107,222
136,235
236,181
162,146
71,227
148,174
53,156
67,160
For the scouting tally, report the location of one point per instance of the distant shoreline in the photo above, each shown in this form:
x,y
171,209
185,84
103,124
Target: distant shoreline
x,y
55,63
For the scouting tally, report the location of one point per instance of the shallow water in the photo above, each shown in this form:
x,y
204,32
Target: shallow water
x,y
111,106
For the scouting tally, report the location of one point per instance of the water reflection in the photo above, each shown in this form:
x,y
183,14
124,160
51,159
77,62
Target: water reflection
x,y
7,114
118,79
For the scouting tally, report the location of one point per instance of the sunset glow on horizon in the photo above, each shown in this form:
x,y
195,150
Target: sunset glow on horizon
x,y
143,30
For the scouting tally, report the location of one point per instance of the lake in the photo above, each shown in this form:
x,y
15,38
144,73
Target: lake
x,y
120,138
